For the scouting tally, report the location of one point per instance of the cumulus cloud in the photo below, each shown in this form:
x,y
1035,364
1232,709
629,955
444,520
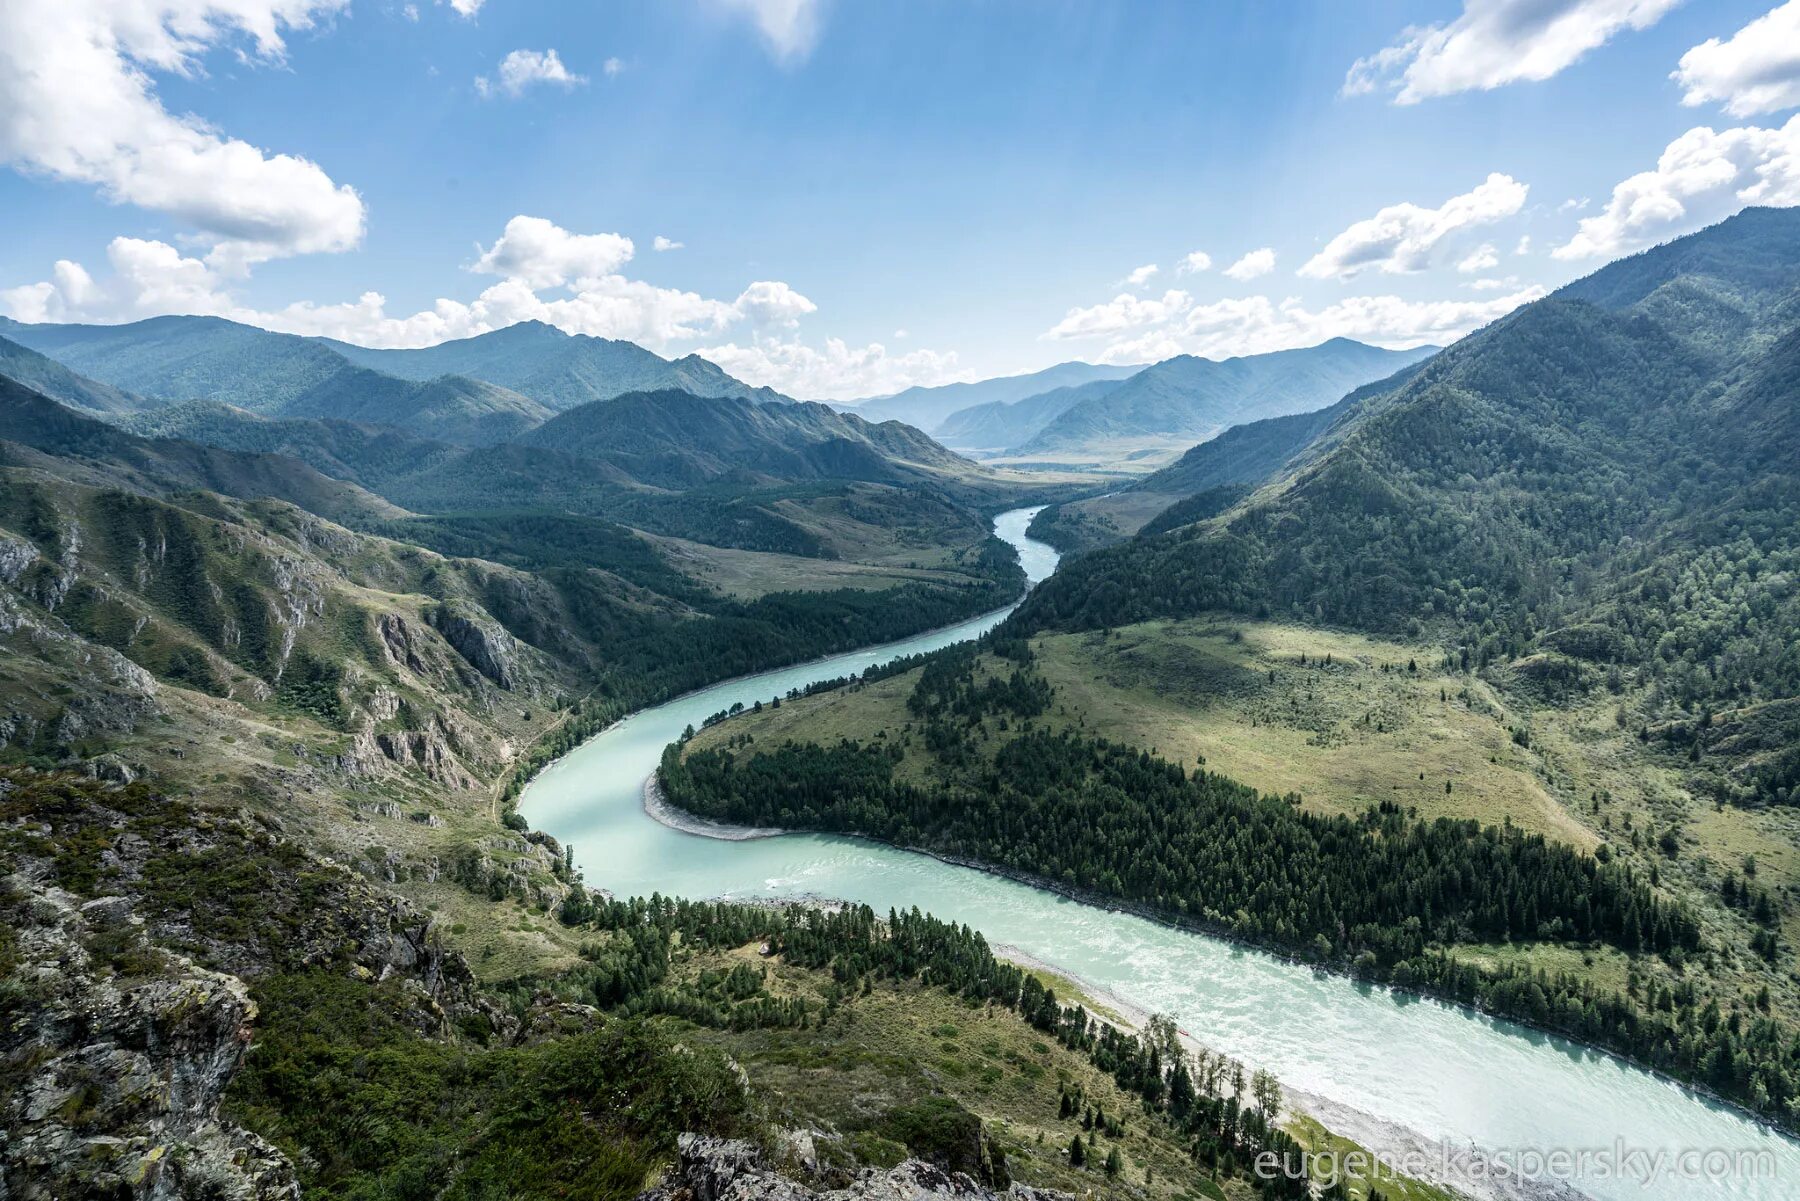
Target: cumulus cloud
x,y
1122,312
789,28
465,8
1497,42
1481,258
1260,324
1403,238
545,255
1141,275
78,103
771,302
1701,177
612,66
660,243
836,372
1194,262
524,69
1257,262
1756,71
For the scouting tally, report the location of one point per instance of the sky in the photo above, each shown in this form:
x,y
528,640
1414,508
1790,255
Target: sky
x,y
842,198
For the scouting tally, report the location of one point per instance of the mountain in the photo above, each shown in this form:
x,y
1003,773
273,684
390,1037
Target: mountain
x,y
1001,424
187,358
673,439
56,381
1188,398
556,369
33,425
928,407
1602,485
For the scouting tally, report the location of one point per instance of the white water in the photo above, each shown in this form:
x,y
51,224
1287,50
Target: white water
x,y
1441,1072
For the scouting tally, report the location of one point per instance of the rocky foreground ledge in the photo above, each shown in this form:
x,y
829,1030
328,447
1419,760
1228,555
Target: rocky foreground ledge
x,y
718,1169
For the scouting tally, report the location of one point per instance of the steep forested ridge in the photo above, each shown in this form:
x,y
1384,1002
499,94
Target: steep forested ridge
x,y
1598,482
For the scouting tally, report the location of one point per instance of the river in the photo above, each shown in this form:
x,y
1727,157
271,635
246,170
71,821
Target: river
x,y
1413,1071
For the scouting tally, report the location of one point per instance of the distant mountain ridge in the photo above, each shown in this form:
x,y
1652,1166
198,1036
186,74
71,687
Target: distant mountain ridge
x,y
928,407
556,369
461,392
210,358
1195,398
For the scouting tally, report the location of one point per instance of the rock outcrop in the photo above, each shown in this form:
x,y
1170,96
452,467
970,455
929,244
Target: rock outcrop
x,y
131,1049
716,1169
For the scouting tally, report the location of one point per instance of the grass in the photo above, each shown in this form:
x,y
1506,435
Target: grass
x,y
1360,720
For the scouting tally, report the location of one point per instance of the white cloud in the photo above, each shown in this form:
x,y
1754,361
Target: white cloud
x,y
543,254
1496,42
1492,284
1141,275
78,103
1403,238
771,302
612,66
1523,247
522,69
660,243
1701,177
838,371
465,8
1573,204
1756,71
1481,258
410,12
1257,262
1122,312
790,28
1194,262
1259,324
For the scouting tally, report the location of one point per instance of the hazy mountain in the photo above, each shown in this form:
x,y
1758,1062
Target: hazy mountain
x,y
185,358
1604,480
554,368
44,374
1194,398
926,408
1002,424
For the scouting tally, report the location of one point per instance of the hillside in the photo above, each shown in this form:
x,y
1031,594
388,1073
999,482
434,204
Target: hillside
x,y
1538,496
192,358
1187,399
928,407
555,369
1218,470
674,439
46,375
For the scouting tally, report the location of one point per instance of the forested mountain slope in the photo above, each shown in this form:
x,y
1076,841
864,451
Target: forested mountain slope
x,y
56,381
1193,398
556,369
677,439
1591,485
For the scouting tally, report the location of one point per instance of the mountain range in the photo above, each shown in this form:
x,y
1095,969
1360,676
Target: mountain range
x,y
928,407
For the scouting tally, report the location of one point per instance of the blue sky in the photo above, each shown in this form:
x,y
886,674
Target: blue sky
x,y
871,194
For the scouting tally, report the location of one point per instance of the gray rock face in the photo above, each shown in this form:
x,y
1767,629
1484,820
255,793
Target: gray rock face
x,y
488,649
123,1098
716,1169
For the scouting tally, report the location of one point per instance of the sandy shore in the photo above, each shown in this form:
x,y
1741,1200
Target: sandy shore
x,y
659,809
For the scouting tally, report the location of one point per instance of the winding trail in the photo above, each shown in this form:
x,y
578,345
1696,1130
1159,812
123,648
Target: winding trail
x,y
1407,1073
